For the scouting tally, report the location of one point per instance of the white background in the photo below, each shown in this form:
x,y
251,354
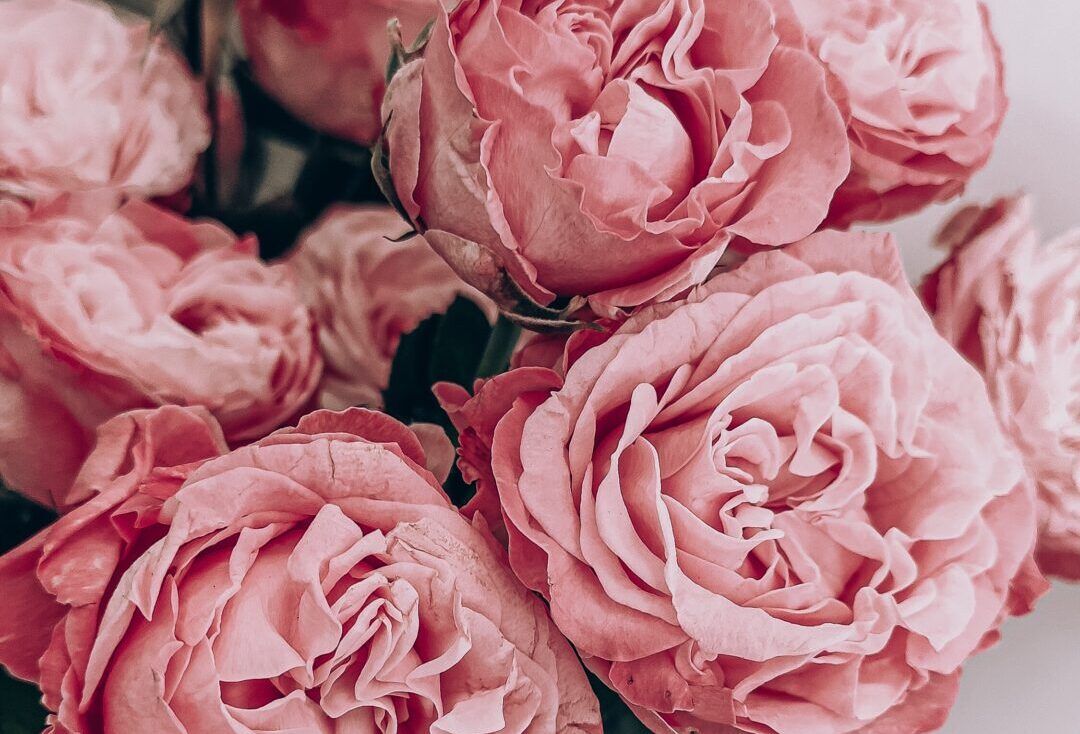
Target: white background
x,y
1030,682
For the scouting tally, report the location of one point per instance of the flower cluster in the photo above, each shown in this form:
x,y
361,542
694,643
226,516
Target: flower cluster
x,y
548,393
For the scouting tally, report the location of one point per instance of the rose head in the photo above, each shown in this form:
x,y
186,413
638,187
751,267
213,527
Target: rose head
x,y
93,102
365,292
610,150
104,311
924,85
316,581
1012,307
325,60
780,506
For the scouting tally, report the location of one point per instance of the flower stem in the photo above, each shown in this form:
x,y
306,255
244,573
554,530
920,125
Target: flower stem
x,y
193,40
500,345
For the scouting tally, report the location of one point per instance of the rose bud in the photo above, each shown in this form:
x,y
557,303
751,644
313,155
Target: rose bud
x,y
316,581
103,311
93,102
556,149
780,506
1012,307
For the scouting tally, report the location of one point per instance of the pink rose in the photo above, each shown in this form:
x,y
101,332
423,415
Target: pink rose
x,y
365,292
316,581
610,151
325,60
781,506
924,84
1013,309
104,312
93,102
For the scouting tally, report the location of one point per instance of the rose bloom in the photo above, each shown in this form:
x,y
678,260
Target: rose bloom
x,y
781,506
104,312
325,60
1013,309
92,102
316,581
610,151
365,292
924,84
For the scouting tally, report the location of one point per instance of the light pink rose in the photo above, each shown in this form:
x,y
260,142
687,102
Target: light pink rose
x,y
610,151
781,506
365,292
104,312
316,581
1012,307
93,102
924,85
325,60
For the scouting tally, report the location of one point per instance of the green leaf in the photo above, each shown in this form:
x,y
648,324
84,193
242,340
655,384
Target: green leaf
x,y
144,8
277,224
500,348
264,114
459,343
617,716
20,519
380,170
393,64
550,326
444,348
335,171
408,394
400,54
21,711
457,489
403,237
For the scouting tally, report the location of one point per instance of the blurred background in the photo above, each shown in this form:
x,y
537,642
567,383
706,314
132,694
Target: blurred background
x,y
1030,682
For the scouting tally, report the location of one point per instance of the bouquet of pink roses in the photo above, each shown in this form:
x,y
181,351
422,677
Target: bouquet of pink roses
x,y
492,367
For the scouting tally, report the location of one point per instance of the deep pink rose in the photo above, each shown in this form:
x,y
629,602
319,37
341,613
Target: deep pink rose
x,y
92,102
365,292
1013,308
104,312
325,60
610,151
924,84
316,581
781,506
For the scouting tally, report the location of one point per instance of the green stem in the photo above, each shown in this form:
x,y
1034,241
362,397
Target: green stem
x,y
193,40
501,343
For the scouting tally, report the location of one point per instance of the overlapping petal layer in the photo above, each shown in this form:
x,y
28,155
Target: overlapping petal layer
x,y
782,505
316,581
